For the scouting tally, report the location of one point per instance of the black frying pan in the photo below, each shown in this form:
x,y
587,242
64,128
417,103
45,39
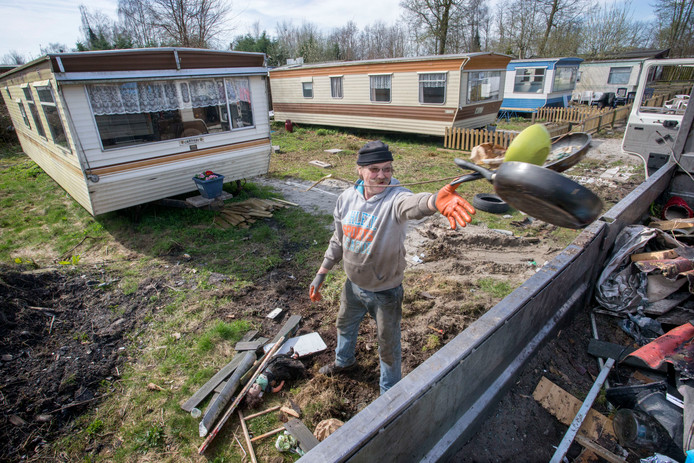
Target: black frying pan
x,y
541,193
578,141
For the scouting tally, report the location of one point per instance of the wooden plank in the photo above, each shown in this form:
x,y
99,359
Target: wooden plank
x,y
269,410
564,407
212,383
582,413
288,329
249,336
599,450
667,225
247,436
269,433
285,202
655,255
250,345
302,434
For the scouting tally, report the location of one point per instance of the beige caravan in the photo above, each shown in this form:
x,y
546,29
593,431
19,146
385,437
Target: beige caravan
x,y
120,128
417,95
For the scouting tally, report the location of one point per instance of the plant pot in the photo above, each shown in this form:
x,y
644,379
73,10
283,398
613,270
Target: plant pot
x,y
210,189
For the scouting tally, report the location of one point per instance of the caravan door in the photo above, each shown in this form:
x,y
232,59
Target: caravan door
x,y
662,95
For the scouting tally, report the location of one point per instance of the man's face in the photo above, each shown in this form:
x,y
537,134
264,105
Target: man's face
x,y
376,177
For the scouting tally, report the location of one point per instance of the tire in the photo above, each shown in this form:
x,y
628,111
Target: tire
x,y
489,203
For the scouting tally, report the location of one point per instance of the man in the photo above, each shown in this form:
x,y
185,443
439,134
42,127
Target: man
x,y
370,228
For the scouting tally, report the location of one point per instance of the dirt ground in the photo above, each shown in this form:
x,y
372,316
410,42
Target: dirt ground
x,y
63,332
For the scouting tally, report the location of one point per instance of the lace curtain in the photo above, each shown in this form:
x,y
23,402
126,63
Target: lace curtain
x,y
380,82
432,80
145,97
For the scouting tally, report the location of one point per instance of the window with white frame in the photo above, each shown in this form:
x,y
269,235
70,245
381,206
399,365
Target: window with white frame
x,y
34,112
50,112
380,88
565,78
307,88
132,113
336,87
619,75
529,80
23,112
432,88
483,86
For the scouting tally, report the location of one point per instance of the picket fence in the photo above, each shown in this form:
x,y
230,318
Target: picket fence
x,y
557,120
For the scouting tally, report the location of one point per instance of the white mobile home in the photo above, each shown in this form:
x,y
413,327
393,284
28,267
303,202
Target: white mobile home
x,y
422,95
536,83
619,75
120,128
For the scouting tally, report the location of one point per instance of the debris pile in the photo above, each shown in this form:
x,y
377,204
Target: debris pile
x,y
246,378
646,287
243,214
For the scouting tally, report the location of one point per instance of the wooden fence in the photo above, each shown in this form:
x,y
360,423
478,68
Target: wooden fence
x,y
557,120
466,139
570,114
603,121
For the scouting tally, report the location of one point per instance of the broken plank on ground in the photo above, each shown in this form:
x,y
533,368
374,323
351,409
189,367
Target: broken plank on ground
x,y
302,434
250,345
209,386
564,407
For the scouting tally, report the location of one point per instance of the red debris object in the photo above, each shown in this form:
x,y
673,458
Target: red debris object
x,y
676,347
677,208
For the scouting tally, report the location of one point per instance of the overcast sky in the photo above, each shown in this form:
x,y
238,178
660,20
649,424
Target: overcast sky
x,y
29,25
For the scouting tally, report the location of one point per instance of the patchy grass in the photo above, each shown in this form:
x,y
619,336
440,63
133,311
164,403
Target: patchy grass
x,y
185,339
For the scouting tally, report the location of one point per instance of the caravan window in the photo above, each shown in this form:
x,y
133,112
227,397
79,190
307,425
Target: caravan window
x,y
619,75
307,88
132,113
432,88
529,80
336,87
34,112
565,79
50,111
483,86
380,88
23,112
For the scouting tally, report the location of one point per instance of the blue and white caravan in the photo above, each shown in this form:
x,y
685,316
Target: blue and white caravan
x,y
535,83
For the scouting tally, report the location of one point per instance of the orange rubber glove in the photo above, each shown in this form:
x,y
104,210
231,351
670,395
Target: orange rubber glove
x,y
314,289
453,206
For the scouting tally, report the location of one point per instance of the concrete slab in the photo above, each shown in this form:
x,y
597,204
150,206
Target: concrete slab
x,y
318,163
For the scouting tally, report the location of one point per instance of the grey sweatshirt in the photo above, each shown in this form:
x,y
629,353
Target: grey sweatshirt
x,y
370,235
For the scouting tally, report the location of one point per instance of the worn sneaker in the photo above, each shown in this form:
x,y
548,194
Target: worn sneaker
x,y
332,369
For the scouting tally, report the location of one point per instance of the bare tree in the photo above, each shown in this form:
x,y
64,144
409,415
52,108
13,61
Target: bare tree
x,y
430,20
189,23
54,48
470,23
558,14
136,17
346,39
521,22
13,57
610,29
676,30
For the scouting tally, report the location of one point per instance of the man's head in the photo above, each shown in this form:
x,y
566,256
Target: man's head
x,y
375,166
374,152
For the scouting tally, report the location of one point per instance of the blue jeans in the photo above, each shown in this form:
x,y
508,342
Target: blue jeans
x,y
386,308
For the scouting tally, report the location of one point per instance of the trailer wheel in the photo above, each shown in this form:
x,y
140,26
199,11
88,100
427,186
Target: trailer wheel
x,y
489,203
